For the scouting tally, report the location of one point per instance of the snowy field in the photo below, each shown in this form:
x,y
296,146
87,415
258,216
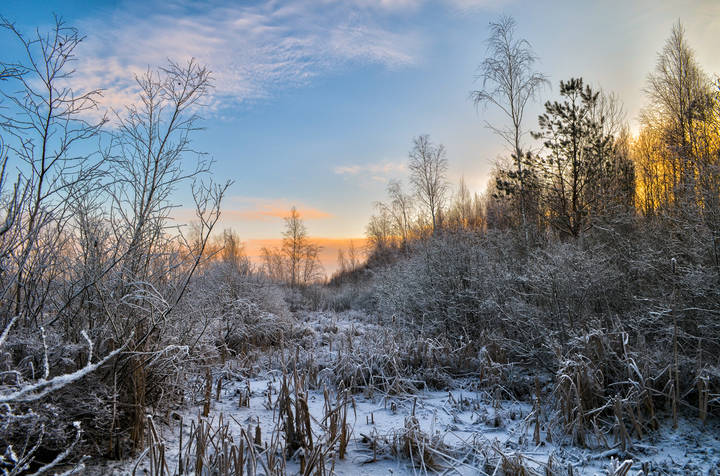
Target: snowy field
x,y
470,427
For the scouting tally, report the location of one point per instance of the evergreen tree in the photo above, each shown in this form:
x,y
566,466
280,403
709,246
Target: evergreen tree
x,y
579,154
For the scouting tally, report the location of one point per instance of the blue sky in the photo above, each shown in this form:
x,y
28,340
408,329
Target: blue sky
x,y
316,102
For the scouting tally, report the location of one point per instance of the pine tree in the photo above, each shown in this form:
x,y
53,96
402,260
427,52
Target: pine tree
x,y
578,156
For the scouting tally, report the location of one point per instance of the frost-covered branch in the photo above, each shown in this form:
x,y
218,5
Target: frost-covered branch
x,y
43,387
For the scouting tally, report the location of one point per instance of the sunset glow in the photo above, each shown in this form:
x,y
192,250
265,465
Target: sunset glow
x,y
315,104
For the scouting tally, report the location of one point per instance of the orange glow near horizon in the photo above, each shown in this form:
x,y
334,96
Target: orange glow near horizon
x,y
328,252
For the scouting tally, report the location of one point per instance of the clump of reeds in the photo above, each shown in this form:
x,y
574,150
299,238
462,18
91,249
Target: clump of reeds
x,y
423,451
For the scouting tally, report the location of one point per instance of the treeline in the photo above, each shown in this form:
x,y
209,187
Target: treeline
x,y
592,258
584,168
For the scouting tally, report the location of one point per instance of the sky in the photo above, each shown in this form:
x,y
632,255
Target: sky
x,y
316,103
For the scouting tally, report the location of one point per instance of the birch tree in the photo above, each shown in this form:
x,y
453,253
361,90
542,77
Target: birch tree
x,y
509,83
428,176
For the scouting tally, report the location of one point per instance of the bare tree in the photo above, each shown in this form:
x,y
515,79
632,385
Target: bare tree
x,y
342,263
401,209
232,252
352,256
677,84
312,269
509,82
294,244
274,264
45,127
154,140
681,171
87,238
428,169
466,210
44,266
297,262
379,229
348,261
678,90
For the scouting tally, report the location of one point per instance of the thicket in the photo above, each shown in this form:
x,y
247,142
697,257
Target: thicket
x,y
106,304
593,257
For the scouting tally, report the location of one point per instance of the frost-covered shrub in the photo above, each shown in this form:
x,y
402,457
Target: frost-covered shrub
x,y
472,285
480,286
338,296
232,310
610,305
53,402
352,350
440,287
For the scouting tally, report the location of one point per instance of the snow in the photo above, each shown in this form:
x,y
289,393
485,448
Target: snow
x,y
471,429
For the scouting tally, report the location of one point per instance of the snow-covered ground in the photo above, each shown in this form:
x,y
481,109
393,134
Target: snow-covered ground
x,y
465,429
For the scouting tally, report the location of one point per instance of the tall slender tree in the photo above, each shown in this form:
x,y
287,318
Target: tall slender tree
x,y
509,82
679,94
400,208
294,244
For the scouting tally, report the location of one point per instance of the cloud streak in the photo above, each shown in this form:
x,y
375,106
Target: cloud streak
x,y
378,171
252,49
261,209
237,210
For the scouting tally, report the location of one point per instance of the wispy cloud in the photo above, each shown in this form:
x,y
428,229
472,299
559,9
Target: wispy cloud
x,y
378,171
238,210
252,49
470,5
262,209
390,5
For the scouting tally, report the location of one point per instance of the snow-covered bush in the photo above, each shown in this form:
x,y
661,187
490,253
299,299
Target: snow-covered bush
x,y
608,305
41,404
338,296
88,252
232,310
